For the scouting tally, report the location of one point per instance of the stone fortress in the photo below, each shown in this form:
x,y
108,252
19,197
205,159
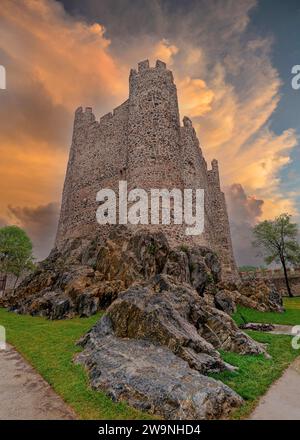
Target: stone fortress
x,y
142,142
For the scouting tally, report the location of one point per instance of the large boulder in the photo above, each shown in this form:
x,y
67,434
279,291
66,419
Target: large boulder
x,y
154,346
150,377
174,315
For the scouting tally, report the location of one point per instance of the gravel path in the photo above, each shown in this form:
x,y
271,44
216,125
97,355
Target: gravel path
x,y
24,393
282,401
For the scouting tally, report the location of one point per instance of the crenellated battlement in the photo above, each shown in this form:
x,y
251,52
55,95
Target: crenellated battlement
x,y
145,65
147,77
213,174
143,142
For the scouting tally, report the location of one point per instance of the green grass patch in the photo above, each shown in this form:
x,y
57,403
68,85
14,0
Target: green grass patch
x,y
256,373
291,316
49,346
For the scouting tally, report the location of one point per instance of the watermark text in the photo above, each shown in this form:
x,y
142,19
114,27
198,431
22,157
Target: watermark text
x,y
2,78
156,206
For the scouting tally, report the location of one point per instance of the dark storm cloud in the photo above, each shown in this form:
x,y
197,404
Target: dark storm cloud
x,y
244,212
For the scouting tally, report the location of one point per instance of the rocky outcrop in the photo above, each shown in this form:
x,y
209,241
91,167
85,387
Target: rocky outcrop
x,y
154,345
152,378
253,293
167,317
88,275
174,315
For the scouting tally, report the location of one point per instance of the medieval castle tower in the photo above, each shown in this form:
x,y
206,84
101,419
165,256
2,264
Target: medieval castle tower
x,y
142,142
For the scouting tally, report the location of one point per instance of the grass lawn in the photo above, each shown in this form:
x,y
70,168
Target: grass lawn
x,y
291,316
49,346
256,373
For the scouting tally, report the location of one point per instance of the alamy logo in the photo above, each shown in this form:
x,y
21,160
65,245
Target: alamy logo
x,y
296,78
296,338
2,78
157,206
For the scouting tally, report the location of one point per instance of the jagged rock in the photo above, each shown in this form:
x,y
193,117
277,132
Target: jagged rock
x,y
176,316
151,378
223,300
125,259
177,266
254,293
101,270
52,305
160,333
150,313
275,298
132,257
86,304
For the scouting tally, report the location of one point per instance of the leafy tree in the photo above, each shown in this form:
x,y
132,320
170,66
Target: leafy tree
x,y
15,252
278,240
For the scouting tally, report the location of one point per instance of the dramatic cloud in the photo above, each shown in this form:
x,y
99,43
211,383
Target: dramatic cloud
x,y
57,61
244,211
54,63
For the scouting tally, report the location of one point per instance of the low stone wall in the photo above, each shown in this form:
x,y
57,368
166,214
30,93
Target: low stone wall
x,y
277,277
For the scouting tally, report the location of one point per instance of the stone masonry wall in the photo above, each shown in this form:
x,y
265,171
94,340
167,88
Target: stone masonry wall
x,y
142,142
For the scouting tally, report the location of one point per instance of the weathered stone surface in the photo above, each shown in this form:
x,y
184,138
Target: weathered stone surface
x,y
125,259
160,334
177,265
223,300
132,257
153,346
150,313
275,298
65,285
86,304
254,293
176,316
151,378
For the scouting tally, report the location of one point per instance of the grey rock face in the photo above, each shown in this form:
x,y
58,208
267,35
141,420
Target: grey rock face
x,y
160,316
86,304
275,298
153,379
174,315
154,345
224,301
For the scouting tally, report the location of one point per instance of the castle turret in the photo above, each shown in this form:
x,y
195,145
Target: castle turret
x,y
220,229
154,149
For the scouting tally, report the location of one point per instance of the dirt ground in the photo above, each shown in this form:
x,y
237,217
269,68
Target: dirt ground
x,y
282,401
24,394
